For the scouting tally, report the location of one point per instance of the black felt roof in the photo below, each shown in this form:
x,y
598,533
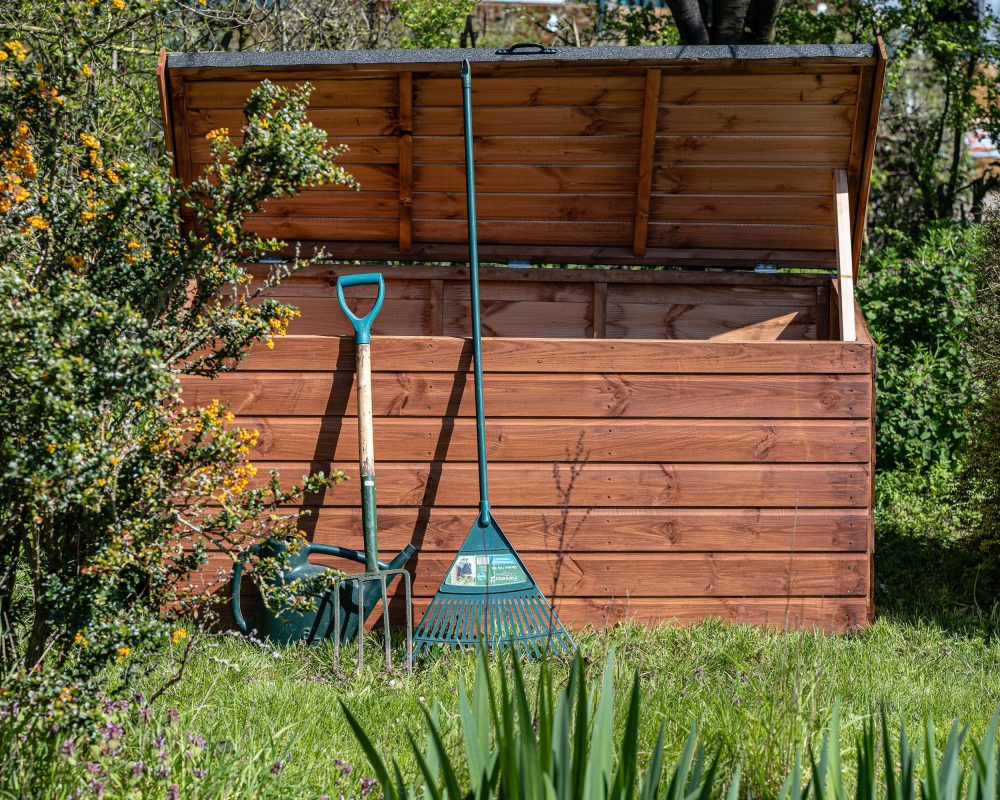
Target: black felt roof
x,y
321,58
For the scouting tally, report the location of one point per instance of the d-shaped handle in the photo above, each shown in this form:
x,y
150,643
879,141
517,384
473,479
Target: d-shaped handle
x,y
362,325
526,49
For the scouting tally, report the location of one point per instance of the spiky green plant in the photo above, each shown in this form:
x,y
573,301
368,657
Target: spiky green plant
x,y
556,744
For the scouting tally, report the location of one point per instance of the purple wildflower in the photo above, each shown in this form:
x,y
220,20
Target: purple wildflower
x,y
145,715
159,741
196,739
97,787
68,748
113,731
200,773
93,768
173,715
367,784
139,768
277,766
345,768
163,774
173,792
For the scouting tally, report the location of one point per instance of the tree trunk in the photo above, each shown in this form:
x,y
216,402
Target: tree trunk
x,y
728,19
689,21
761,21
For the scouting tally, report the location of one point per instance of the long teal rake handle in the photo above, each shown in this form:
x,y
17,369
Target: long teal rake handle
x,y
366,439
477,343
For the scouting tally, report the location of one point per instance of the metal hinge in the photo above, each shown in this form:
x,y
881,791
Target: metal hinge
x,y
765,266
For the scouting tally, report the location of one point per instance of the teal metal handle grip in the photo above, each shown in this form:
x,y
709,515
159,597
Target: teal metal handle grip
x,y
244,625
362,325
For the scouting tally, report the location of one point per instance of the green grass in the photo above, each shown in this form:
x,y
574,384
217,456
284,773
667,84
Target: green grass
x,y
757,695
274,727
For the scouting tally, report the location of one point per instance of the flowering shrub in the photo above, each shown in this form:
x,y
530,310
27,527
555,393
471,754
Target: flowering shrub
x,y
114,281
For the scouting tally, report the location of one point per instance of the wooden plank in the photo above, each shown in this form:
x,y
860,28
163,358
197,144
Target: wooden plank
x,y
527,206
360,149
358,91
662,234
529,150
600,305
802,296
622,575
826,614
831,615
729,90
535,90
429,394
644,179
310,228
748,208
600,120
334,204
696,236
558,440
715,322
742,117
337,121
405,161
437,354
182,156
322,317
845,279
523,318
748,179
541,179
778,150
596,530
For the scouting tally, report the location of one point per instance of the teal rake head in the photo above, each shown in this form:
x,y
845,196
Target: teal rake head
x,y
489,596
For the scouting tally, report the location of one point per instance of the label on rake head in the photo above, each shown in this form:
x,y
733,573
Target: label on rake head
x,y
485,570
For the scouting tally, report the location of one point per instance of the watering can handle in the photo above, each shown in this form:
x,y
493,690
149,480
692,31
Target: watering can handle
x,y
234,590
362,325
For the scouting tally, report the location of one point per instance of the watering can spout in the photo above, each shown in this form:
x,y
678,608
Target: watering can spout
x,y
402,557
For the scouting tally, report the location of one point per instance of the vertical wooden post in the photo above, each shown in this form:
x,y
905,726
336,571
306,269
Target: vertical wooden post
x,y
845,259
405,161
647,151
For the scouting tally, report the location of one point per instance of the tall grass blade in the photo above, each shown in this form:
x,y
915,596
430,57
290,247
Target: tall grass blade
x,y
377,764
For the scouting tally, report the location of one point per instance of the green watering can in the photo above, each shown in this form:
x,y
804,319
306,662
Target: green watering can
x,y
285,626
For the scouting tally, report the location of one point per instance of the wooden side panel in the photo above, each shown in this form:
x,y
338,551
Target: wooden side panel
x,y
727,475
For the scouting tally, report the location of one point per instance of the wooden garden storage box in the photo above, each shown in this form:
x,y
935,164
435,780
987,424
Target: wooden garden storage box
x,y
676,443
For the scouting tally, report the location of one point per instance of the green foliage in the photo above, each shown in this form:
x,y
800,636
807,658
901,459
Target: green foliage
x,y
557,744
941,83
432,23
918,300
112,489
983,469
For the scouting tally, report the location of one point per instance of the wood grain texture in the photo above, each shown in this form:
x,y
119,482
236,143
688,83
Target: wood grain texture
x,y
612,396
600,485
644,178
555,440
405,161
525,356
605,575
598,530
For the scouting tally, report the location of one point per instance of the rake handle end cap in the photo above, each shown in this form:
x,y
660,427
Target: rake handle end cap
x,y
362,325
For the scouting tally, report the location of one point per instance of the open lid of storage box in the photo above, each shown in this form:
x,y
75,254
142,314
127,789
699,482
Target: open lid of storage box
x,y
704,156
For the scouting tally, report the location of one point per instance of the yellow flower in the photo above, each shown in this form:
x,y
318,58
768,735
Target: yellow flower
x,y
65,695
75,261
112,176
18,50
101,482
180,633
119,4
86,217
123,652
3,55
80,639
86,71
53,446
90,141
36,221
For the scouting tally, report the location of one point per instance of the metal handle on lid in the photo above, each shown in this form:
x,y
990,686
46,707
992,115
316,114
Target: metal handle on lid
x,y
526,49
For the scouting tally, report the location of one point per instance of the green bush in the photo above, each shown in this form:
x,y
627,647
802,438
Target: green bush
x,y
918,299
983,468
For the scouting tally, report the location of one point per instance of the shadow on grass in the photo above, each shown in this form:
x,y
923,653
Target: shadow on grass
x,y
927,564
